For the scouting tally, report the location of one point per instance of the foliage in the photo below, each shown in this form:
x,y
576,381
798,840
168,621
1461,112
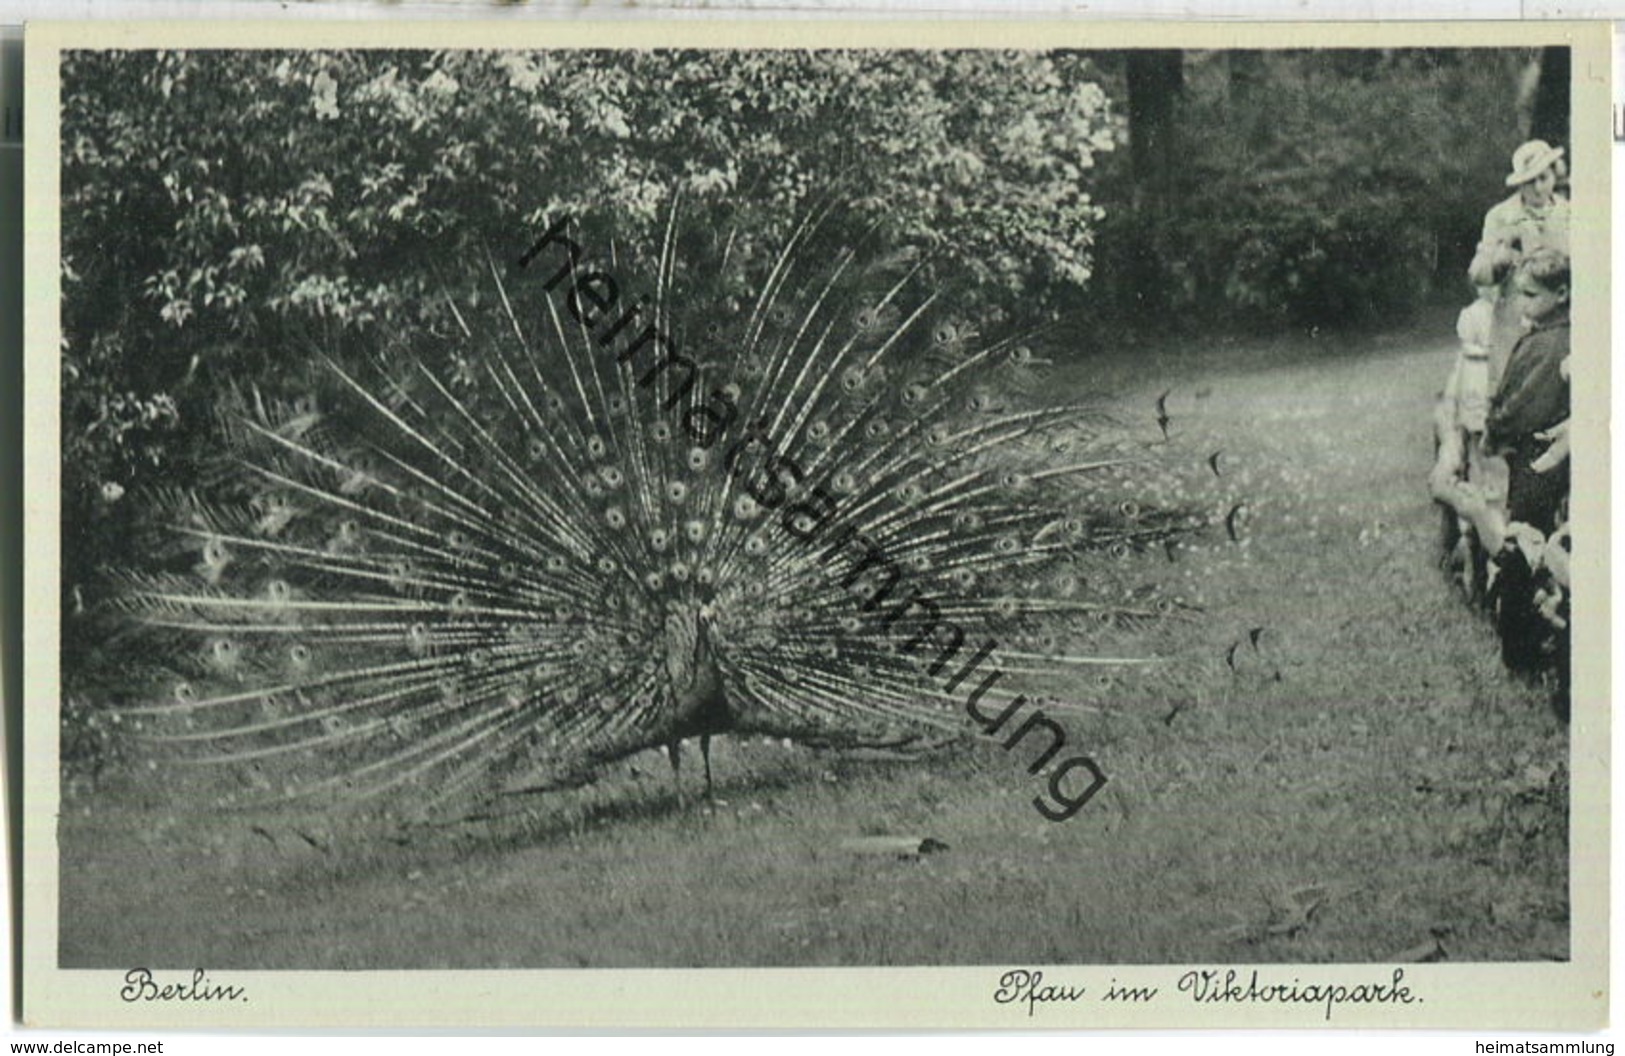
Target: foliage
x,y
223,211
1333,188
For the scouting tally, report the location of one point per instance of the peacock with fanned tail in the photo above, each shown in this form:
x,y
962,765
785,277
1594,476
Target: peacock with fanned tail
x,y
777,494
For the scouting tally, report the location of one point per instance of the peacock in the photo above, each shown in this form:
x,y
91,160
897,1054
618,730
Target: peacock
x,y
591,510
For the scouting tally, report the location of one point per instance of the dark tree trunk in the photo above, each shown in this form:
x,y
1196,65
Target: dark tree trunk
x,y
1155,81
1550,120
1246,70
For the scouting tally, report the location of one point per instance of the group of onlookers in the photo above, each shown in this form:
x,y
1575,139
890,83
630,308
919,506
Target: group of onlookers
x,y
1502,471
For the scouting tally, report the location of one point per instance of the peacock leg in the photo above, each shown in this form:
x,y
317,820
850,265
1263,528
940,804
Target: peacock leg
x,y
674,750
705,753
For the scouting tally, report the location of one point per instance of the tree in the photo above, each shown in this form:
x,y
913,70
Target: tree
x,y
1155,82
226,211
1309,188
1550,117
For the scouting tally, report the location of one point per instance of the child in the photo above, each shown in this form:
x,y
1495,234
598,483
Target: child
x,y
1532,400
1464,478
1526,424
1472,377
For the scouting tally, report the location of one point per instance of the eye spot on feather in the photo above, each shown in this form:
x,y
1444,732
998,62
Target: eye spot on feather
x,y
223,654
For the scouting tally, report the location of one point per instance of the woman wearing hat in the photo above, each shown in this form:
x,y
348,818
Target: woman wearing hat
x,y
1535,217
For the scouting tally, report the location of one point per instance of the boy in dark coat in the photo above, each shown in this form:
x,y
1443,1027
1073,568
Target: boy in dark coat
x,y
1533,397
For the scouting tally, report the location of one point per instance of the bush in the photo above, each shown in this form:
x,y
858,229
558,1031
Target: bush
x,y
1336,188
226,211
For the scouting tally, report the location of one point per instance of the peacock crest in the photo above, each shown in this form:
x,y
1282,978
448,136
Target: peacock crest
x,y
773,493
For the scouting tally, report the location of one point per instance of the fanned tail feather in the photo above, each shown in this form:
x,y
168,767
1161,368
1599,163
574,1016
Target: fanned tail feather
x,y
448,569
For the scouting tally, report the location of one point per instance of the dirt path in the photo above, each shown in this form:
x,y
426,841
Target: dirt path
x,y
1363,781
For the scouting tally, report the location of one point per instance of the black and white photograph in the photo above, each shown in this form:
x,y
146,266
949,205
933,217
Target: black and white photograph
x,y
1099,515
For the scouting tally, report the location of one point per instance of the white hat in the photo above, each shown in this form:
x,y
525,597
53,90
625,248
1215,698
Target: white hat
x,y
1532,159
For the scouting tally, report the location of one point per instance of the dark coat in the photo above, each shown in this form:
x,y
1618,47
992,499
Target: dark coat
x,y
1533,395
